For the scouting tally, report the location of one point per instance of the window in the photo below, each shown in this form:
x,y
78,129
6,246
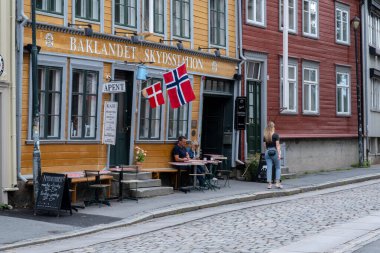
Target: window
x,y
181,18
292,15
343,92
310,90
52,6
125,12
374,30
256,12
178,121
87,9
150,119
342,25
375,94
218,86
292,91
84,97
218,22
50,93
310,18
158,14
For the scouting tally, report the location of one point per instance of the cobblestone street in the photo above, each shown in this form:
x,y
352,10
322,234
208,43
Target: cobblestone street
x,y
256,229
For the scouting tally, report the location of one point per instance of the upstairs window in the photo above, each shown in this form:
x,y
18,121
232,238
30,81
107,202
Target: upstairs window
x,y
52,6
292,88
343,98
310,18
181,18
158,16
87,9
125,12
50,95
374,30
342,23
375,95
218,22
256,12
310,90
292,15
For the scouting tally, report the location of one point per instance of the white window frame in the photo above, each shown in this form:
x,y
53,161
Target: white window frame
x,y
346,72
374,30
375,94
254,20
294,29
307,15
146,17
44,8
307,86
294,65
182,36
220,45
342,9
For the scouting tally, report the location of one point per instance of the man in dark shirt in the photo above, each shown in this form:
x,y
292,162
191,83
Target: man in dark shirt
x,y
179,151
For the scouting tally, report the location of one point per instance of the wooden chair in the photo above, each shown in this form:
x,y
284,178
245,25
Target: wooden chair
x,y
96,186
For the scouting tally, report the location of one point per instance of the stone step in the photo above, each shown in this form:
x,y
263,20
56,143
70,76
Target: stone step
x,y
151,192
131,175
146,183
288,175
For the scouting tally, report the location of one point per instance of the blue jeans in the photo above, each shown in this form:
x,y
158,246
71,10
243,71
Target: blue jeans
x,y
270,161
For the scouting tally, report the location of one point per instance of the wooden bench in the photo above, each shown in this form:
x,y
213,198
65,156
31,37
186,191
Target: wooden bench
x,y
75,181
157,171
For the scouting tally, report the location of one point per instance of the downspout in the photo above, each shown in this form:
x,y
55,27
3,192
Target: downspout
x,y
21,21
241,56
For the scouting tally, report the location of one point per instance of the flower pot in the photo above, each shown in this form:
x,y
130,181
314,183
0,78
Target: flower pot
x,y
139,166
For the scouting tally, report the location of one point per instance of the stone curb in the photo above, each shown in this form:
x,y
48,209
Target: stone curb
x,y
172,210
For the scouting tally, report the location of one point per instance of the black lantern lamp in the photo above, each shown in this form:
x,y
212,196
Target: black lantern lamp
x,y
216,52
179,43
87,28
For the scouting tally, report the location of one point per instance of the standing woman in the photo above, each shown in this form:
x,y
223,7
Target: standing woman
x,y
272,154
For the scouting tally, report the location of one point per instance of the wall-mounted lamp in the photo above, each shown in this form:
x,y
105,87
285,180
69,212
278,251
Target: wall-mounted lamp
x,y
179,43
87,28
135,37
216,52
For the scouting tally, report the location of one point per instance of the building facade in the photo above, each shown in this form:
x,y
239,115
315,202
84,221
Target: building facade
x,y
320,121
371,78
85,44
7,100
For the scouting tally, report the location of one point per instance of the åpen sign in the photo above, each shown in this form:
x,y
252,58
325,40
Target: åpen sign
x,y
114,87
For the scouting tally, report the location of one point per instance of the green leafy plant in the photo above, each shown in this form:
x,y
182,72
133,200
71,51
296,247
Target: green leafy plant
x,y
252,167
140,154
5,206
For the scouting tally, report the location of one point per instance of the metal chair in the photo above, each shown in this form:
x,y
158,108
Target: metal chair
x,y
97,187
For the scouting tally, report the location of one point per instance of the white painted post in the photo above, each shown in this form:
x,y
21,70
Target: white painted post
x,y
285,97
151,16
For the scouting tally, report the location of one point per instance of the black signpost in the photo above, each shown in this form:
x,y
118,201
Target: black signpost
x,y
53,194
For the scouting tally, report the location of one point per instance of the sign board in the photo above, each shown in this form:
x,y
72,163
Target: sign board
x,y
114,87
53,194
240,113
1,65
109,122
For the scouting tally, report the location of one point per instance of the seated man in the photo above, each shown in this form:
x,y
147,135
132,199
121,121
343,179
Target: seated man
x,y
180,154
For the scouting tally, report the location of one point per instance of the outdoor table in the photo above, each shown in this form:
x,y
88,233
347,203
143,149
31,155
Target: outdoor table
x,y
121,171
194,164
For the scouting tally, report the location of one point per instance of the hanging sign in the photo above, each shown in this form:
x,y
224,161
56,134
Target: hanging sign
x,y
1,65
114,87
110,121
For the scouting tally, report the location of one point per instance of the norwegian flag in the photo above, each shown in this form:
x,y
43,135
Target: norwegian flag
x,y
178,87
154,94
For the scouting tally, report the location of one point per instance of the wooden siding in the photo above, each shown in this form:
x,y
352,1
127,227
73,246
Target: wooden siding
x,y
324,51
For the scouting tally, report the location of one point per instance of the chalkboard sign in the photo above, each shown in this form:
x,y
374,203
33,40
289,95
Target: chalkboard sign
x,y
53,194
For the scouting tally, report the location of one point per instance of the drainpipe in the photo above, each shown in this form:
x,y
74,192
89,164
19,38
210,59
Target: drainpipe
x,y
242,57
21,21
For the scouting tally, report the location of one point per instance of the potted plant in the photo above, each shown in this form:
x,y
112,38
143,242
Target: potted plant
x,y
252,168
140,156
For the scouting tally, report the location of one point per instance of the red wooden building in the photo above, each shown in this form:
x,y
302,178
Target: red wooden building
x,y
318,128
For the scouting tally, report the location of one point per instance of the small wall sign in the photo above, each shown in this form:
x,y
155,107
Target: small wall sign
x,y
114,87
1,65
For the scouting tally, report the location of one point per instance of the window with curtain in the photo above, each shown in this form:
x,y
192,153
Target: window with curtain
x,y
343,92
342,23
310,18
292,15
87,9
181,18
310,90
51,6
150,119
158,15
178,121
218,22
84,104
256,11
50,95
125,12
292,82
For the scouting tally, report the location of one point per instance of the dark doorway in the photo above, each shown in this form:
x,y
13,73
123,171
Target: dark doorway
x,y
254,117
120,152
217,126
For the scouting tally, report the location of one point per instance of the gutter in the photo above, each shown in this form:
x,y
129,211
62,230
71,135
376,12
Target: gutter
x,y
22,19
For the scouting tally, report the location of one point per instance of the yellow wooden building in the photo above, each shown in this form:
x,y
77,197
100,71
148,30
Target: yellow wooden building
x,y
84,44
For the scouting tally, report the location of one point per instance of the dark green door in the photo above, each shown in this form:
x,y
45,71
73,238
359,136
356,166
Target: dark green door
x,y
120,152
254,116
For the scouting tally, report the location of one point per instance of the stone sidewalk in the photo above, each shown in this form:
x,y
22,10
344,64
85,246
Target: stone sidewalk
x,y
23,228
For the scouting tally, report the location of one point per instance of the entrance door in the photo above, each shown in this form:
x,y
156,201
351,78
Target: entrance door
x,y
254,117
120,152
